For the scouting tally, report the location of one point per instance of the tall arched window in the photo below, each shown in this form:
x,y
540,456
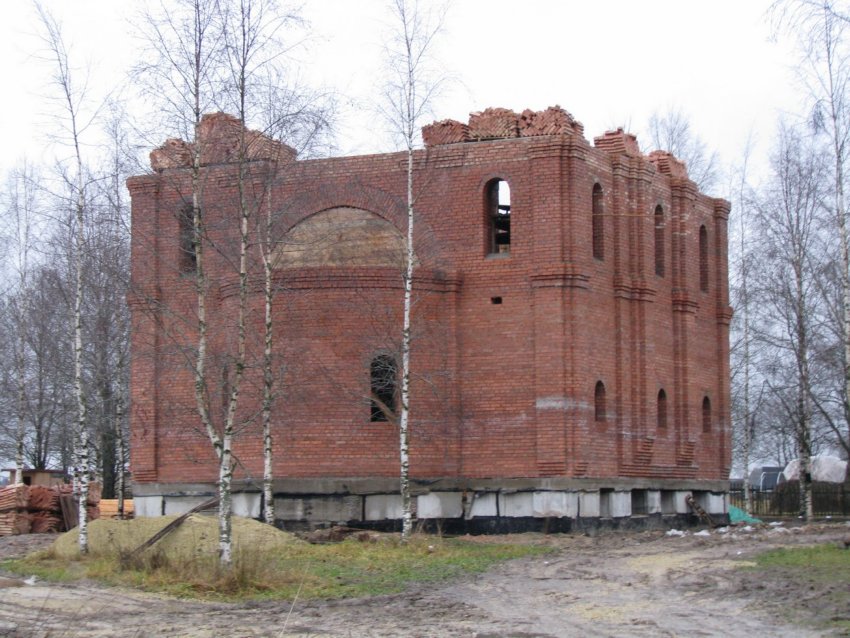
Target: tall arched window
x,y
703,259
659,240
383,372
662,410
600,412
497,203
188,256
706,414
598,224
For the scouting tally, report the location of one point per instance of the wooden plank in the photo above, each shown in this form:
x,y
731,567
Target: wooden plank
x,y
70,510
177,522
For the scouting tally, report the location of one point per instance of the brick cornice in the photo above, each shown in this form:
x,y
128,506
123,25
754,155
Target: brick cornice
x,y
559,276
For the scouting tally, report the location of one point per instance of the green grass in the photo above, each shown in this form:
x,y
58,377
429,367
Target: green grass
x,y
810,584
347,569
828,561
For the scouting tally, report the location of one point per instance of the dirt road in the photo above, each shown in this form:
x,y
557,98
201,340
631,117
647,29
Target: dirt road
x,y
647,584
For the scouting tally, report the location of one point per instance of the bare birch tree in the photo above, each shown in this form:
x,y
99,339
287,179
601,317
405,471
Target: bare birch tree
x,y
185,45
222,55
787,217
71,94
411,85
20,206
820,29
251,36
743,301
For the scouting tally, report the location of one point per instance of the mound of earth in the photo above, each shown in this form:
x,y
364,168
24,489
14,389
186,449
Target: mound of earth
x,y
198,535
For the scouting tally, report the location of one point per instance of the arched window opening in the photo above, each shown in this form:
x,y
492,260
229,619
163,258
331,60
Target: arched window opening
x,y
659,241
188,256
383,372
600,412
662,410
598,224
706,415
703,259
498,207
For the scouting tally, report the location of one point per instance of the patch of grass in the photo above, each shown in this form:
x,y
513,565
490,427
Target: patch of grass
x,y
347,569
821,559
809,583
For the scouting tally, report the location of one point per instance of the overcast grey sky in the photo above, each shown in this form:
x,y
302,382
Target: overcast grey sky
x,y
608,62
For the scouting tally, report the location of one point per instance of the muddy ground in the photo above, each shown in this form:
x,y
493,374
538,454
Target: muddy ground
x,y
615,584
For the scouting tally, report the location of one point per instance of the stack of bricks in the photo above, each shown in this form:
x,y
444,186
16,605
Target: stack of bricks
x,y
37,510
93,501
493,123
445,132
14,518
498,123
618,142
552,121
45,510
668,164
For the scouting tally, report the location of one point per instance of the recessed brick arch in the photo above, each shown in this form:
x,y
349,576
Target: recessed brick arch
x,y
356,194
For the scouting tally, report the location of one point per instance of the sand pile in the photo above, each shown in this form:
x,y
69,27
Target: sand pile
x,y
197,536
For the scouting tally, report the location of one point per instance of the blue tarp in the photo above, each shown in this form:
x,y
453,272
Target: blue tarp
x,y
737,515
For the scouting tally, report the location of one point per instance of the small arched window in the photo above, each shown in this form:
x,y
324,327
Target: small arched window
x,y
497,203
600,410
703,259
659,240
598,224
706,414
383,372
662,410
188,255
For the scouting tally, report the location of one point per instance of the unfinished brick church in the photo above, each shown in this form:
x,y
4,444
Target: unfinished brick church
x,y
570,328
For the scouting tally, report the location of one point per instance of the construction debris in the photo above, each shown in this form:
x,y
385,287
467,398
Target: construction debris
x,y
37,509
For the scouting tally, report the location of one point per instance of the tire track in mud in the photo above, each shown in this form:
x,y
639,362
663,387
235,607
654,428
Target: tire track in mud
x,y
645,584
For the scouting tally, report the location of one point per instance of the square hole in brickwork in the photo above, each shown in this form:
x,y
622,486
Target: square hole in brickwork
x,y
496,301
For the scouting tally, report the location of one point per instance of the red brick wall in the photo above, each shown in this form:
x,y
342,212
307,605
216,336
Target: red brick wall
x,y
499,390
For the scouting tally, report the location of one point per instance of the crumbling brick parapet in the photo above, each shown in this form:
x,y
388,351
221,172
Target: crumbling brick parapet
x,y
493,123
445,132
499,123
219,138
668,164
618,142
552,121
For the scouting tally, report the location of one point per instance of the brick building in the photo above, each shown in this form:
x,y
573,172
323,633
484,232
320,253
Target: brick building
x,y
571,316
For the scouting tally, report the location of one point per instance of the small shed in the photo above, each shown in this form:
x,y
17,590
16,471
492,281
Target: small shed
x,y
44,478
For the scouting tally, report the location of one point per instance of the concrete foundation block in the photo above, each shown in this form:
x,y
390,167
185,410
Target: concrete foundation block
x,y
668,502
588,504
328,509
681,505
653,502
517,504
181,504
715,503
439,505
555,504
382,507
247,505
621,504
483,505
148,506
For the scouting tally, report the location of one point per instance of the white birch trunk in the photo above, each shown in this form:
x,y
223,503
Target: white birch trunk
x,y
268,375
804,417
404,419
20,430
747,443
82,428
121,449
